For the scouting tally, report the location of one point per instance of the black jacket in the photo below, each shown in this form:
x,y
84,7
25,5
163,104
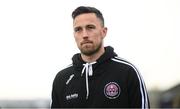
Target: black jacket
x,y
109,82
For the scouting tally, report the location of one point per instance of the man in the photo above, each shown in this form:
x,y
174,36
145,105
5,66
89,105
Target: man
x,y
97,78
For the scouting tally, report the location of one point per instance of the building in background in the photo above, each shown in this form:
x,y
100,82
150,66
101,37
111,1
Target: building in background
x,y
170,98
21,104
165,99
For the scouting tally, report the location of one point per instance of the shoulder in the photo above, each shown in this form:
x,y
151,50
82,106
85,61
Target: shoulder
x,y
124,63
64,73
130,69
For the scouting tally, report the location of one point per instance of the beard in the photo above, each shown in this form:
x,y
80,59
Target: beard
x,y
89,50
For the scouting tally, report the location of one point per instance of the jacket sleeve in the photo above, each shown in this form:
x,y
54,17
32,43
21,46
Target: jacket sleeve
x,y
137,93
56,92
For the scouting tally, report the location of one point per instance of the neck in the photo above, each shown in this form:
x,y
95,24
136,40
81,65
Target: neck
x,y
93,57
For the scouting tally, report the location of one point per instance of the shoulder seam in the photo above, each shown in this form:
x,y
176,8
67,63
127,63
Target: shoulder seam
x,y
70,65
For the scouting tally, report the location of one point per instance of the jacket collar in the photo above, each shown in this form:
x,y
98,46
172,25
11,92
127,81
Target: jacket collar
x,y
108,54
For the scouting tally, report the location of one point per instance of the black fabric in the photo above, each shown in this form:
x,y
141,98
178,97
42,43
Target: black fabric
x,y
69,87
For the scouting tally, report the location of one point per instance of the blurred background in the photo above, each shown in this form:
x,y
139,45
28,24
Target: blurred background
x,y
36,42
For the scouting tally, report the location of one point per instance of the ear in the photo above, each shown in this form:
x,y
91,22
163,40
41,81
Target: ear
x,y
104,31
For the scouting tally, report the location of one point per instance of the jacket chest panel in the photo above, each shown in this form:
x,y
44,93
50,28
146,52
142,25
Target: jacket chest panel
x,y
103,90
73,93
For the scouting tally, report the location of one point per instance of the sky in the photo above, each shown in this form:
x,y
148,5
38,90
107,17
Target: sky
x,y
36,41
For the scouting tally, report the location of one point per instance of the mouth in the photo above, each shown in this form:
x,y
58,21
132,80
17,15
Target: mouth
x,y
86,42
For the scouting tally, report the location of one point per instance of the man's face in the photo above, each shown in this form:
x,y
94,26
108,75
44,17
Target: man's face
x,y
88,33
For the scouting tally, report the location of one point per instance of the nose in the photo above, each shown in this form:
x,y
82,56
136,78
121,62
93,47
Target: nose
x,y
85,33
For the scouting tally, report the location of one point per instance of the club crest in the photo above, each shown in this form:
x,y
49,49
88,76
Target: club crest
x,y
112,90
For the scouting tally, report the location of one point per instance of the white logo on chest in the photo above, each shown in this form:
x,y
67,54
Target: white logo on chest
x,y
72,96
70,77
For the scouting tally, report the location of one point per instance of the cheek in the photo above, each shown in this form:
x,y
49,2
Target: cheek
x,y
77,40
75,37
99,38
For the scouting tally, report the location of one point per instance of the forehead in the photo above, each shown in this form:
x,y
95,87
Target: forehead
x,y
85,19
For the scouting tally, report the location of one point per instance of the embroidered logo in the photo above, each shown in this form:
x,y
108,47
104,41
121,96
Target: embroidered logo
x,y
72,96
70,77
112,90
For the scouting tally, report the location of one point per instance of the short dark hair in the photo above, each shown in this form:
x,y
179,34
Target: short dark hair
x,y
86,9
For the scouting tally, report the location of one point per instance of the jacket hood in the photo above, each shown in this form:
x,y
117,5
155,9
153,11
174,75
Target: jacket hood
x,y
108,54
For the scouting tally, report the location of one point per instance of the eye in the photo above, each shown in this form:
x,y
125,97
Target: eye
x,y
90,27
77,29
